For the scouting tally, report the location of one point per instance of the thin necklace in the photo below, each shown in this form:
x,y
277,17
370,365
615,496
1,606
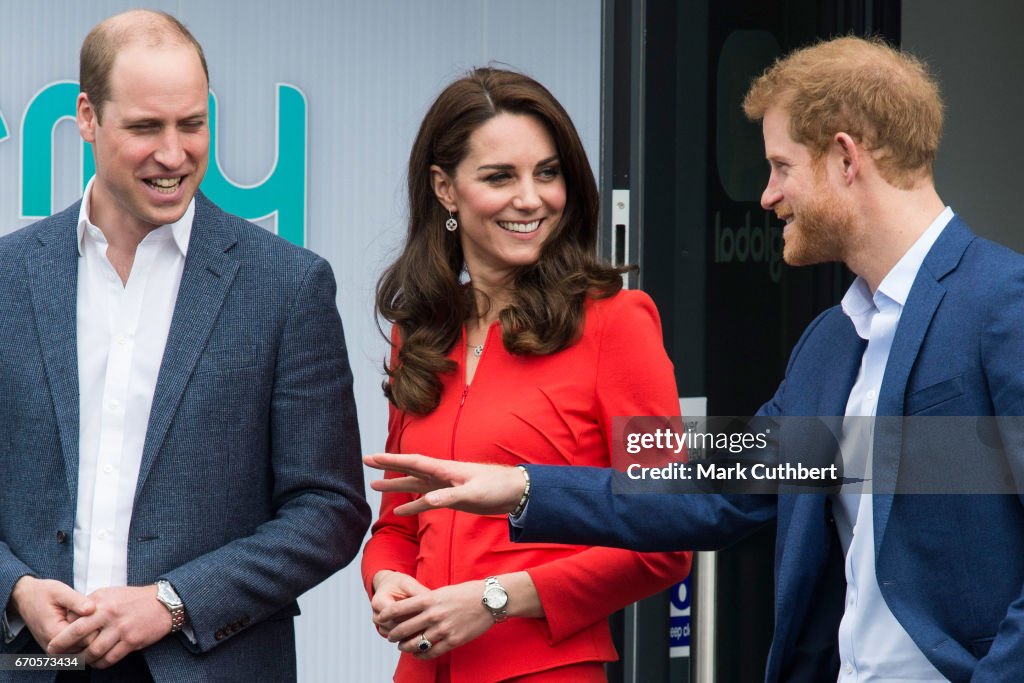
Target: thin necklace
x,y
478,349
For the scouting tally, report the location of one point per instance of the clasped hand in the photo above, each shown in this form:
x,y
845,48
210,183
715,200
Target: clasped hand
x,y
103,627
447,617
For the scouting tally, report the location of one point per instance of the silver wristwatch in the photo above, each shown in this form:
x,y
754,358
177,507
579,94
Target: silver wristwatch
x,y
168,597
495,599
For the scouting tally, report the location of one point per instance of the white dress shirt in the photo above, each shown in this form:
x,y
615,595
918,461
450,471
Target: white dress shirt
x,y
122,331
873,645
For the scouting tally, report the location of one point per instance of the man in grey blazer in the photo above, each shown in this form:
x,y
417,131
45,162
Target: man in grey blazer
x,y
178,438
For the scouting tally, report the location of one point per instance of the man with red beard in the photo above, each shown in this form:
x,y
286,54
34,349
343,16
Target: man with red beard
x,y
869,585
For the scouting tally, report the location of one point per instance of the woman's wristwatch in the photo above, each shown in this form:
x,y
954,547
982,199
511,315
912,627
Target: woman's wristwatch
x,y
495,599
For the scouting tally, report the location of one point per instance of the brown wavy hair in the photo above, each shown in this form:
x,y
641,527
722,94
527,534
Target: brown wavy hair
x,y
420,293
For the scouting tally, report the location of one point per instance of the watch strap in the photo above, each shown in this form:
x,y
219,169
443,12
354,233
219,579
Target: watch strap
x,y
175,606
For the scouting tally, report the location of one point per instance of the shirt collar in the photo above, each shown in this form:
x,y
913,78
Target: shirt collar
x,y
860,305
180,230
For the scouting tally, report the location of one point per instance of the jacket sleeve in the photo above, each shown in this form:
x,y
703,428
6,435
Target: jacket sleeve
x,y
394,543
633,377
11,570
1002,341
317,498
600,506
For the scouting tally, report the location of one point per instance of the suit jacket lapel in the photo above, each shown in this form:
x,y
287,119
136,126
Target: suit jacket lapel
x,y
804,536
205,282
924,299
846,351
53,282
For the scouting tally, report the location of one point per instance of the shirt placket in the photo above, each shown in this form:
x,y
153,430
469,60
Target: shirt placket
x,y
859,445
882,326
124,306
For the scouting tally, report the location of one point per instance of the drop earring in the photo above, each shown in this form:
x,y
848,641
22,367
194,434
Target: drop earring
x,y
451,225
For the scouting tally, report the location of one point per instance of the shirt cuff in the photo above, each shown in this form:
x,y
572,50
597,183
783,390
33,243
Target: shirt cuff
x,y
11,627
519,521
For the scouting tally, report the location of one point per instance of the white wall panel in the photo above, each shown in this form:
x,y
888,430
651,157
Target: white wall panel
x,y
368,71
975,51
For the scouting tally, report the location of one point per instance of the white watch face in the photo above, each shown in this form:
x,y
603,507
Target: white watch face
x,y
167,594
496,597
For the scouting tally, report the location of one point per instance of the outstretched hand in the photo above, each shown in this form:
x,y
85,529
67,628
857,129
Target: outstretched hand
x,y
467,486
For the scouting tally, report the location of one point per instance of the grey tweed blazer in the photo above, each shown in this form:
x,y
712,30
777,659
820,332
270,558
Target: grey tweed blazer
x,y
251,487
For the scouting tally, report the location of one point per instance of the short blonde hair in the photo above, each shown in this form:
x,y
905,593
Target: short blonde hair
x,y
107,38
882,97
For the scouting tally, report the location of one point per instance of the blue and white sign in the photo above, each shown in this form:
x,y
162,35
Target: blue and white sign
x,y
679,619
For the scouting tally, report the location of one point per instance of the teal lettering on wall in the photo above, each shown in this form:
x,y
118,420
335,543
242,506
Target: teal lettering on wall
x,y
281,194
3,128
50,106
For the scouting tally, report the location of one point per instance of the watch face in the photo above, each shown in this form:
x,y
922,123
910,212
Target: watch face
x,y
495,597
167,594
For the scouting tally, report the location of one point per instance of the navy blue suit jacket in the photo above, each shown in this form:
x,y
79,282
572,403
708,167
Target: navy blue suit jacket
x,y
950,567
251,488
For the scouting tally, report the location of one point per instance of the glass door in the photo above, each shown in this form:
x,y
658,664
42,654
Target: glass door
x,y
682,176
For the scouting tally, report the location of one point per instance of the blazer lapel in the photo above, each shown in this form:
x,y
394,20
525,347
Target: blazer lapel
x,y
804,536
53,282
924,299
846,352
205,282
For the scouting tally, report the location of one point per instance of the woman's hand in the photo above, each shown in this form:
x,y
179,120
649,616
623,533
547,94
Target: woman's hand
x,y
390,587
454,615
447,617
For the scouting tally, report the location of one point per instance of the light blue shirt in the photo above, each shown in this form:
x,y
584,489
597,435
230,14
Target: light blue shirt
x,y
873,645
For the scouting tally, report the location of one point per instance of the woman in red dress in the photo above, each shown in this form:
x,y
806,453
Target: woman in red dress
x,y
511,344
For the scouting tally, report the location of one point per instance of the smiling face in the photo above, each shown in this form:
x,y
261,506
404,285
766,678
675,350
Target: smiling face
x,y
508,194
152,146
819,221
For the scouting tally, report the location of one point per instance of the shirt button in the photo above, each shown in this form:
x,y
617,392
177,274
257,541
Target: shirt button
x,y
871,395
114,405
849,668
62,536
121,340
108,468
102,535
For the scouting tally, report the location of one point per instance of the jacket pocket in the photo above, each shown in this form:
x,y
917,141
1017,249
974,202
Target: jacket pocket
x,y
981,646
223,358
933,395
